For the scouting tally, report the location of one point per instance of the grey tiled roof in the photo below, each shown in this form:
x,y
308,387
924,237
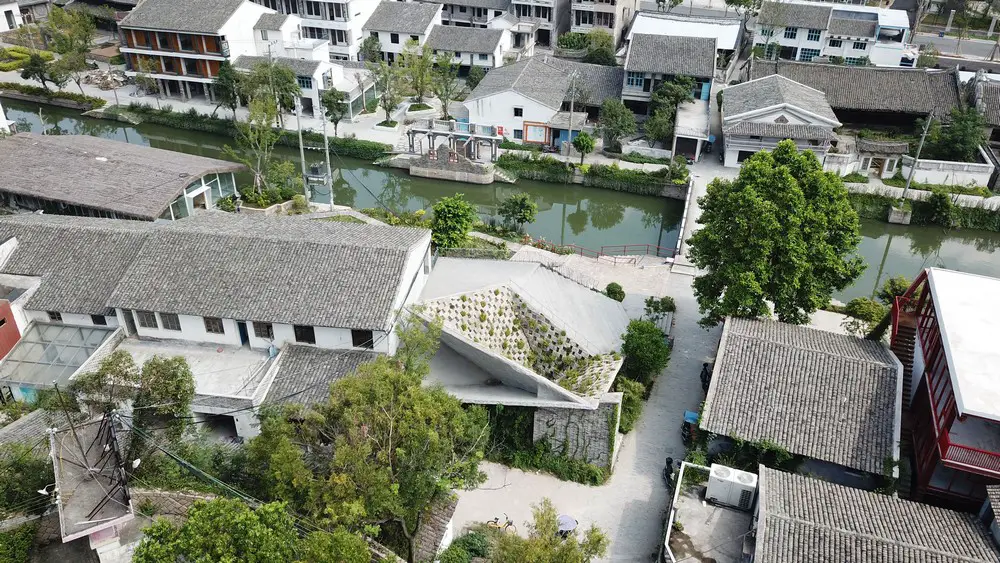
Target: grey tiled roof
x,y
993,494
546,80
270,21
772,91
988,102
869,88
787,14
852,27
806,519
464,39
131,180
883,147
779,130
402,17
679,56
274,269
30,430
307,367
301,67
80,259
818,394
192,16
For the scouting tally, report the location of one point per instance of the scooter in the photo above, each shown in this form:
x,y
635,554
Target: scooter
x,y
708,147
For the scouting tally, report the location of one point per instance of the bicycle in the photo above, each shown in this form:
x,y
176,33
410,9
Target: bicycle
x,y
506,526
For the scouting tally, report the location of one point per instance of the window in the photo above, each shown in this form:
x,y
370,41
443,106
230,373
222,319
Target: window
x,y
854,61
362,339
415,38
518,112
635,79
808,54
339,11
213,325
305,333
99,320
314,8
791,32
518,134
191,67
169,66
163,40
484,57
814,34
263,35
394,38
170,321
305,82
339,37
187,43
767,31
263,330
584,18
860,45
147,319
461,9
373,34
55,316
836,43
604,20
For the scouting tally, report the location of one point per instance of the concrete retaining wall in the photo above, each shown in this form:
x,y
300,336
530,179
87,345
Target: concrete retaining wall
x,y
646,151
452,175
587,435
949,173
58,102
841,164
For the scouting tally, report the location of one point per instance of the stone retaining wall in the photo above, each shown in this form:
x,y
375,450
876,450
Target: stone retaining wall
x,y
167,503
587,435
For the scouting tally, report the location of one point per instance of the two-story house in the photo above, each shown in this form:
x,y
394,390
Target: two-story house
x,y
472,13
187,40
338,22
943,331
396,23
546,19
471,46
860,35
653,59
607,15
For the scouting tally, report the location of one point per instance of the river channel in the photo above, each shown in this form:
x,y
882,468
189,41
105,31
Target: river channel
x,y
568,214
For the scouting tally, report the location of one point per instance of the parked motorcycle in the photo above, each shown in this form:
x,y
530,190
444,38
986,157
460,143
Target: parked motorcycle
x,y
708,147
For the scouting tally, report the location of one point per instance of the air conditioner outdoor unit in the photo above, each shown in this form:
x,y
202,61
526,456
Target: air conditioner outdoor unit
x,y
731,487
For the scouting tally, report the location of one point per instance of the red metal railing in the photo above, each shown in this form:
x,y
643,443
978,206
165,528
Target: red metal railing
x,y
971,458
898,304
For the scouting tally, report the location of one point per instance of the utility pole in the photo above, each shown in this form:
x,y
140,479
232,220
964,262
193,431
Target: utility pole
x,y
572,104
920,147
326,153
302,148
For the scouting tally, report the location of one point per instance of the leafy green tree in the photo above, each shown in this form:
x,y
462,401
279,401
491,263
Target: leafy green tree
x,y
671,93
660,127
166,386
275,80
632,398
69,31
453,219
383,448
145,67
418,63
23,471
518,210
783,232
37,68
476,75
614,291
892,288
228,530
335,104
646,352
115,382
744,8
942,208
370,50
255,140
616,121
960,140
584,144
667,5
862,315
389,83
444,80
73,66
544,543
600,48
418,342
928,57
228,87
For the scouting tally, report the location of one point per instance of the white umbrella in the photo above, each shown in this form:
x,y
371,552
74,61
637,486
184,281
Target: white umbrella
x,y
566,523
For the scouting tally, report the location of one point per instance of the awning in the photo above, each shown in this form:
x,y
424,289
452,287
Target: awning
x,y
50,352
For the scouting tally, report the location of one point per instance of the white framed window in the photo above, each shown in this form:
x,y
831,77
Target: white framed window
x,y
99,320
305,334
147,319
791,32
814,34
394,38
518,134
854,61
170,321
362,339
860,46
263,35
305,82
213,325
836,43
635,79
484,57
808,54
55,316
766,31
314,8
263,330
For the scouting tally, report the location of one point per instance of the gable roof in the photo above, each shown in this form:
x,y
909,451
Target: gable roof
x,y
792,14
679,56
464,39
131,180
806,519
726,31
79,259
274,269
780,130
869,88
546,80
818,394
301,67
191,16
852,27
306,372
986,96
402,17
271,21
775,90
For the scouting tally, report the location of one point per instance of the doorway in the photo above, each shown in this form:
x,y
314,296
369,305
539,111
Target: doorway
x,y
129,322
244,333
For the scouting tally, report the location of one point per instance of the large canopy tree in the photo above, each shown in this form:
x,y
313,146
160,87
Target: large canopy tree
x,y
782,232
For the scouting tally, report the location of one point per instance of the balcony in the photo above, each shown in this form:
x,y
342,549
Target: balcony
x,y
970,445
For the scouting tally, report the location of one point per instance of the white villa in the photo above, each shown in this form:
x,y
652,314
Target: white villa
x,y
395,23
339,23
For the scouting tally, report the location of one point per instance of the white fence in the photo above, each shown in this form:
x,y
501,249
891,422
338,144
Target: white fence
x,y
950,173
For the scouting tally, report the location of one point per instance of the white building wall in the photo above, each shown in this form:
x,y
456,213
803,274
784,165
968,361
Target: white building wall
x,y
499,110
192,329
75,319
10,13
239,32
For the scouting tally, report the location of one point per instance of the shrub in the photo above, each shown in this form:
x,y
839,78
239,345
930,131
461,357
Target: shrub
x,y
646,352
942,210
455,554
387,123
514,145
863,314
637,158
299,203
475,543
401,219
418,107
632,394
15,545
614,291
627,180
656,308
856,178
90,101
573,40
226,204
535,167
453,219
117,60
892,288
899,181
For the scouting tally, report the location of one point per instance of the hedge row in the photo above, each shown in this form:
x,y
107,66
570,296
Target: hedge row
x,y
873,206
626,179
90,101
534,167
15,57
194,121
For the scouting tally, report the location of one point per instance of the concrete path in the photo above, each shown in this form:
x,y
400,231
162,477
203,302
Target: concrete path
x,y
631,506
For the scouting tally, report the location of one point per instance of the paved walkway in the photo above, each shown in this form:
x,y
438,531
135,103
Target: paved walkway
x,y
631,506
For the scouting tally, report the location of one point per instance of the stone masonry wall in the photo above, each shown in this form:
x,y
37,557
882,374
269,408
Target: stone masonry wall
x,y
587,435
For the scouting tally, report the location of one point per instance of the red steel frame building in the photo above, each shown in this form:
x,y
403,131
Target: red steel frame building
x,y
956,442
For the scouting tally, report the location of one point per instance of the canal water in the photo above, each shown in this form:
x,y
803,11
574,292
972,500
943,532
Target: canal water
x,y
568,214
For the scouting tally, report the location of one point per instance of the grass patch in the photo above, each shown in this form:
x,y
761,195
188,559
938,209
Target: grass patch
x,y
637,158
419,107
856,178
387,123
515,146
900,182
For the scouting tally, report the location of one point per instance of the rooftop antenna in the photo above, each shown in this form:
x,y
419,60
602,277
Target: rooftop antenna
x,y
72,429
